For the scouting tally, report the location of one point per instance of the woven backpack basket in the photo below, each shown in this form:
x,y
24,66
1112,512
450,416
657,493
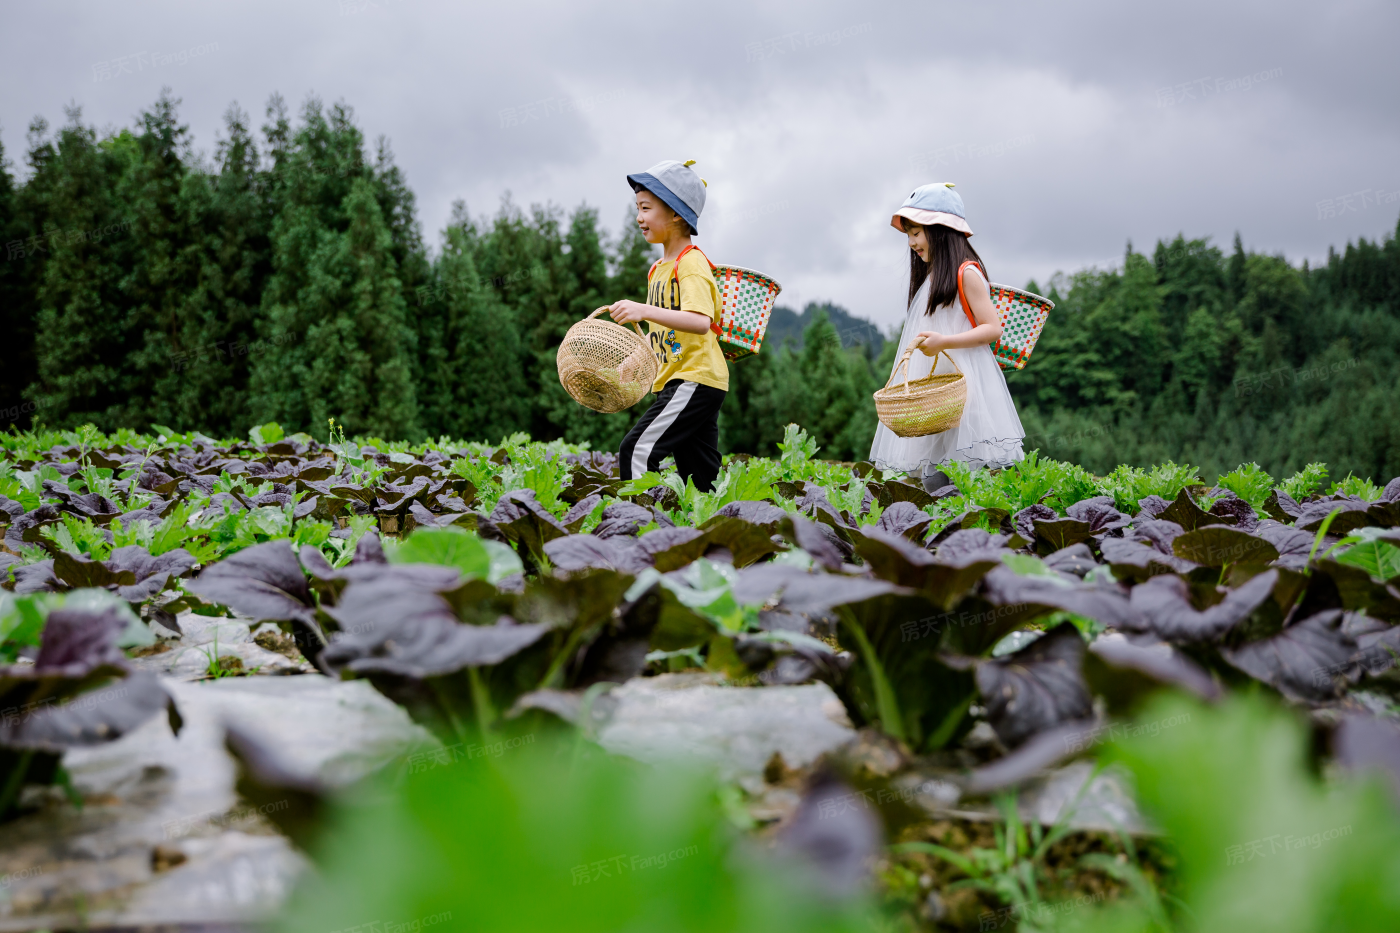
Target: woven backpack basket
x,y
746,303
1022,315
605,366
929,405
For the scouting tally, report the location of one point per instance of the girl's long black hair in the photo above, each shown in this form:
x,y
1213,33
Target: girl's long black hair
x,y
947,249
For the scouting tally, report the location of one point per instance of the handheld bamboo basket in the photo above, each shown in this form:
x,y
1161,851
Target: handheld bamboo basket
x,y
604,366
929,405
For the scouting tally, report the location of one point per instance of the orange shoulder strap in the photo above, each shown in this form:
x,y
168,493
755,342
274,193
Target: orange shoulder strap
x,y
675,270
675,273
962,295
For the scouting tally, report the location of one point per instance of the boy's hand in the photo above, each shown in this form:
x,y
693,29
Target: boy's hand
x,y
628,311
930,342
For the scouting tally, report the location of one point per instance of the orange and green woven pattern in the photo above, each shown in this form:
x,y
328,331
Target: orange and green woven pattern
x,y
746,302
1022,316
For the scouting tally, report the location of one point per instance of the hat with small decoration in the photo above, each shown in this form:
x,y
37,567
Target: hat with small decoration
x,y
937,203
678,185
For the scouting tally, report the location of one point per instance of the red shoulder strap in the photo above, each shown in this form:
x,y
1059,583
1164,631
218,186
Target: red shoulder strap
x,y
675,273
962,295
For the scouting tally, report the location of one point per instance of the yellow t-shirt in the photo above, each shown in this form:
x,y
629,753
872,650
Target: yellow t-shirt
x,y
692,357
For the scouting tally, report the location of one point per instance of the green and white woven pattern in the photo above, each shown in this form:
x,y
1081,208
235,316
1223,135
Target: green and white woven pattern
x,y
1022,316
746,302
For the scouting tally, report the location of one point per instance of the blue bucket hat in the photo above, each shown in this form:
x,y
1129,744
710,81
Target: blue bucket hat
x,y
937,203
678,185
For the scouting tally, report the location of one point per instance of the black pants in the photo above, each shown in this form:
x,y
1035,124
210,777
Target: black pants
x,y
683,422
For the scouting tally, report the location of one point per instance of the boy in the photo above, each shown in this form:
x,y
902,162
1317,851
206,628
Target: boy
x,y
692,376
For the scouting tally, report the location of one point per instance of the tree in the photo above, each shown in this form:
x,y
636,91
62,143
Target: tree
x,y
471,363
18,307
334,337
82,332
824,387
289,281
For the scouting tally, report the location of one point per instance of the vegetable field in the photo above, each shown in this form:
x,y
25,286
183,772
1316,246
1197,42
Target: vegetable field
x,y
1204,675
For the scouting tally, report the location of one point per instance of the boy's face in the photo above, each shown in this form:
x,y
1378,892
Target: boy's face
x,y
654,217
918,239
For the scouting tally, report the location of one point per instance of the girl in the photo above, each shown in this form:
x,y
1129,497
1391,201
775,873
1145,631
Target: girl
x,y
990,432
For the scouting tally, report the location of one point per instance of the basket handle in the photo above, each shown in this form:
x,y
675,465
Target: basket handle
x,y
606,307
904,363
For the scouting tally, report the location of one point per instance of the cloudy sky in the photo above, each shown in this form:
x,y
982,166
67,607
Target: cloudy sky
x,y
1069,128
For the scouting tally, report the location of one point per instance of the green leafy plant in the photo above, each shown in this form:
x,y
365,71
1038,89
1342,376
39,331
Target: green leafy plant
x,y
980,487
1363,548
140,531
1261,843
484,475
847,498
78,535
944,512
1305,482
1028,482
21,624
27,486
1127,484
98,480
1014,871
556,836
797,448
706,587
216,667
269,433
1356,486
540,470
475,557
342,550
749,480
1250,483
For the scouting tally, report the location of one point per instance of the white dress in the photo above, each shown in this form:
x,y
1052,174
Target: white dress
x,y
990,432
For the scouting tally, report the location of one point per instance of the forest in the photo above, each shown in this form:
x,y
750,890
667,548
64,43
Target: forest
x,y
286,278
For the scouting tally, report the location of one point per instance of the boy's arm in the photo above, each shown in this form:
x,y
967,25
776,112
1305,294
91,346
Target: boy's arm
x,y
631,312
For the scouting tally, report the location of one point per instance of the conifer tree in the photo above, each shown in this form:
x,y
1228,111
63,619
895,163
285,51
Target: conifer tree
x,y
18,278
587,287
335,339
167,355
471,380
289,281
824,387
82,335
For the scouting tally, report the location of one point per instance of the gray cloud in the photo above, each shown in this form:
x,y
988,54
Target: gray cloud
x,y
811,122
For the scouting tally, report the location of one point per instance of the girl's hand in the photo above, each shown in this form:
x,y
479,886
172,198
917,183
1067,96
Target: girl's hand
x,y
628,311
929,342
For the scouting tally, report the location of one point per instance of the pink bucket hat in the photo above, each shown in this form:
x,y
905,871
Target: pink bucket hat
x,y
937,203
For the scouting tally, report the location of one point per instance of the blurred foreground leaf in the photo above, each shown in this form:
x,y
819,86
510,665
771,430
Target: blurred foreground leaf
x,y
538,837
1263,844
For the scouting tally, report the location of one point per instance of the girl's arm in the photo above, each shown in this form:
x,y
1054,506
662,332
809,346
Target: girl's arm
x,y
987,331
689,322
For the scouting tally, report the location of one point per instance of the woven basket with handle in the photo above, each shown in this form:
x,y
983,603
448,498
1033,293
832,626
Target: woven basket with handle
x,y
929,405
605,366
746,303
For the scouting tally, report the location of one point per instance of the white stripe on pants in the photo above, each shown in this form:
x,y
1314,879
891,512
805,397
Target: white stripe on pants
x,y
642,452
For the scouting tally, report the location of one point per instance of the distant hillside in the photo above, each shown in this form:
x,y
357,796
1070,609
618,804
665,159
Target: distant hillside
x,y
787,325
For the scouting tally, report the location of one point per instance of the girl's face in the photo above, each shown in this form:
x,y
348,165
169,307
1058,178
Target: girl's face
x,y
918,239
654,217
